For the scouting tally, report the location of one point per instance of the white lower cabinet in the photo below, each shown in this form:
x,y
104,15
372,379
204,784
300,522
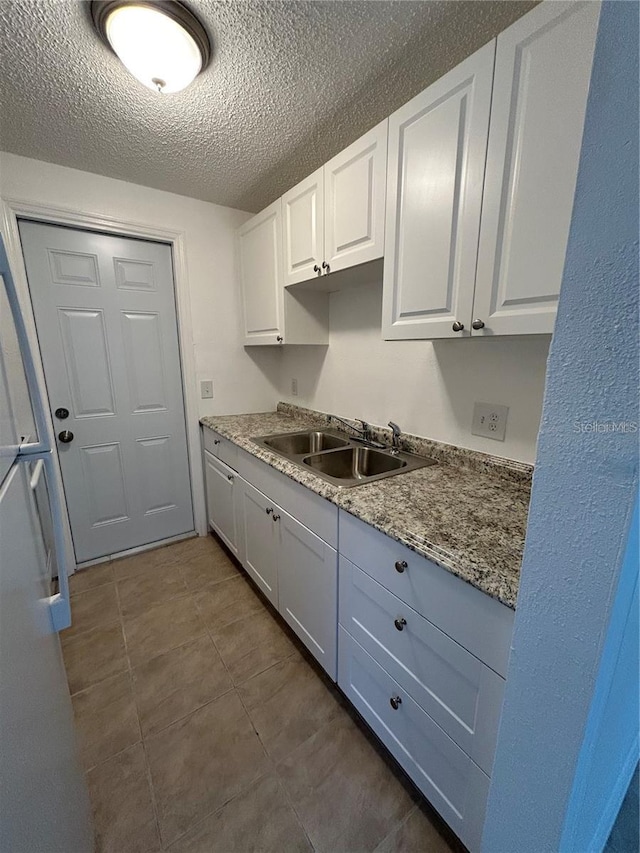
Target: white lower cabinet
x,y
222,485
294,567
421,656
450,780
462,694
420,653
308,589
261,540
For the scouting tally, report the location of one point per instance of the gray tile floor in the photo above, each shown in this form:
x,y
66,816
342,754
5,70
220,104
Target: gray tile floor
x,y
204,727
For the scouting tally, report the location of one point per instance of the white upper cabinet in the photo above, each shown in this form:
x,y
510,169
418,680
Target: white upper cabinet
x,y
260,255
354,201
334,219
437,151
543,69
302,209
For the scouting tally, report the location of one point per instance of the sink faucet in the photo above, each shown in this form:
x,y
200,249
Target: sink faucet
x,y
395,438
364,430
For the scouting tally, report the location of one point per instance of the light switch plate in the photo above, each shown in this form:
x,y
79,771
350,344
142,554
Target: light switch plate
x,y
206,389
489,420
294,387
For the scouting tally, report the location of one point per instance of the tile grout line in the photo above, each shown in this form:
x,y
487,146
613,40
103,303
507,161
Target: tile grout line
x,y
152,793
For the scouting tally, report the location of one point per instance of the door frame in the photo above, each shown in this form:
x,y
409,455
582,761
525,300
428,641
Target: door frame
x,y
14,209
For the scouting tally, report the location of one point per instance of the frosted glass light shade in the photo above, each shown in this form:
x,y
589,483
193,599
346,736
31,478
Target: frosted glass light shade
x,y
154,47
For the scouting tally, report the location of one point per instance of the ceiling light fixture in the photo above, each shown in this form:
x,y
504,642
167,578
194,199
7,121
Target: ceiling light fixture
x,y
161,43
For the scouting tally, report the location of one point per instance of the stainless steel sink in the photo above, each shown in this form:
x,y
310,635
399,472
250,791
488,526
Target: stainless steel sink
x,y
354,463
339,459
301,443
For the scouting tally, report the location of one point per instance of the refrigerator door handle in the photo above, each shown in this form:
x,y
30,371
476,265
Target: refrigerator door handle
x,y
59,604
35,477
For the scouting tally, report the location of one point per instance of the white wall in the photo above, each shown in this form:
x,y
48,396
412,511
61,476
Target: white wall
x,y
428,388
242,383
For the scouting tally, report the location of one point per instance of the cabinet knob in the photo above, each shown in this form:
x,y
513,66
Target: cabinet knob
x,y
457,327
276,517
280,339
401,565
316,268
230,478
216,441
477,324
269,510
400,623
395,702
326,267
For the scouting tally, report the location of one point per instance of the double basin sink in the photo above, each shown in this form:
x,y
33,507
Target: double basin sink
x,y
340,460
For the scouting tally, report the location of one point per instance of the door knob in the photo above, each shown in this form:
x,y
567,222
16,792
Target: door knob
x,y
477,324
65,436
457,327
61,413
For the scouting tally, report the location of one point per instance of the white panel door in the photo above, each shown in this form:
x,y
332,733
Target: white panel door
x,y
261,540
437,149
303,229
222,501
106,321
543,69
260,251
354,201
308,589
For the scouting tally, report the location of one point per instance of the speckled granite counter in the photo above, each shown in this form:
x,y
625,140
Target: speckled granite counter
x,y
468,513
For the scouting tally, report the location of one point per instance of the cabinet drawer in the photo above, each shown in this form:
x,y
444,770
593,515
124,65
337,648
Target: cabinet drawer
x,y
220,447
453,784
456,689
316,513
478,622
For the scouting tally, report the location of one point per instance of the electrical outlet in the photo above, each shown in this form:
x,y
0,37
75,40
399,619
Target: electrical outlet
x,y
489,420
294,387
206,389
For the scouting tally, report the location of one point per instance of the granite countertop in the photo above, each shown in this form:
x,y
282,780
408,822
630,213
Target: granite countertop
x,y
468,513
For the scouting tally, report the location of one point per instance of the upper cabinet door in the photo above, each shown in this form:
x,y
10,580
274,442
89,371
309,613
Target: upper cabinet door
x,y
355,188
437,150
302,210
543,69
260,250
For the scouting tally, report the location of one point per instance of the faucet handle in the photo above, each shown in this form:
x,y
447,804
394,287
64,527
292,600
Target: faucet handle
x,y
395,440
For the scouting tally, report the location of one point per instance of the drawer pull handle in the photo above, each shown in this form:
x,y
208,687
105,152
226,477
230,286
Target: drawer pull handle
x,y
395,702
216,441
400,623
269,510
401,565
276,518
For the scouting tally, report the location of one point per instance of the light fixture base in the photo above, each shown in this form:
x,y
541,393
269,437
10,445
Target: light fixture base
x,y
174,9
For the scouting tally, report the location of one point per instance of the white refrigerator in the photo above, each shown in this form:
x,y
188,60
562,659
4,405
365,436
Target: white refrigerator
x,y
44,802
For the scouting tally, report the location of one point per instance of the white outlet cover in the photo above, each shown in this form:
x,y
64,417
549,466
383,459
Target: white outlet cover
x,y
206,390
294,387
490,420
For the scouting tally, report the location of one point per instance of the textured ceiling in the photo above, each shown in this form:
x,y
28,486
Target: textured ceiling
x,y
290,85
